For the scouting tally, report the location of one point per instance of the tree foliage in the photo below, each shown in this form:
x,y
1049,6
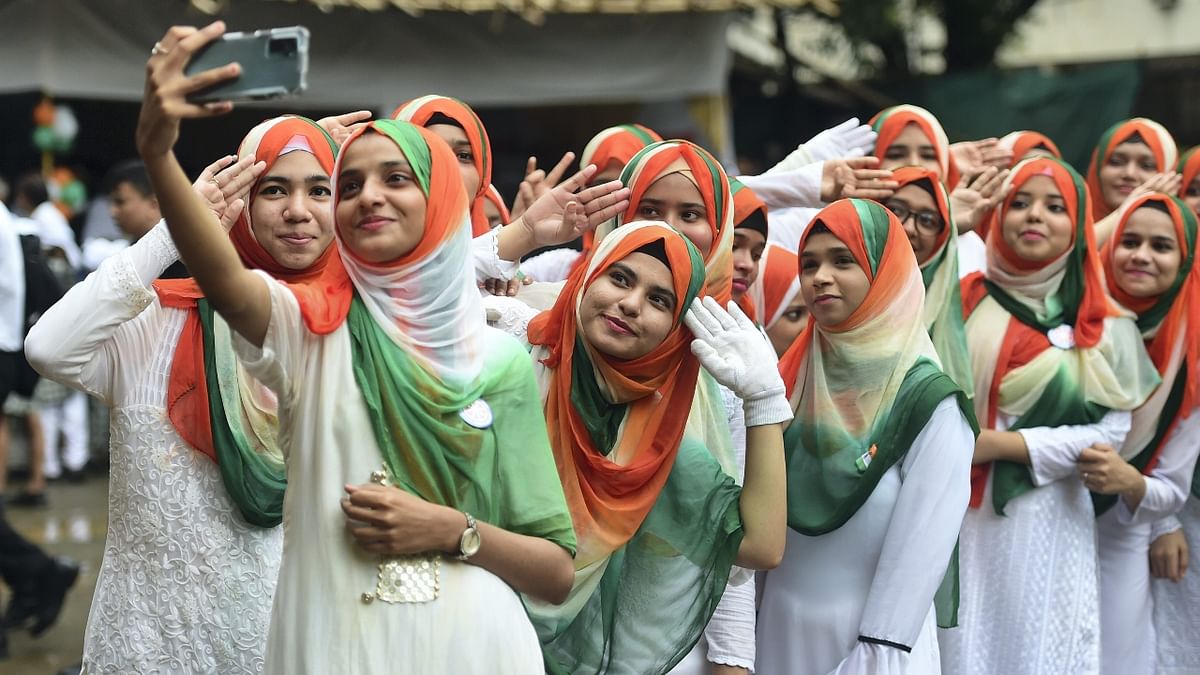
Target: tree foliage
x,y
881,31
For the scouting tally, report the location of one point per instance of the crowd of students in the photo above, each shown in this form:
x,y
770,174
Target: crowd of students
x,y
893,406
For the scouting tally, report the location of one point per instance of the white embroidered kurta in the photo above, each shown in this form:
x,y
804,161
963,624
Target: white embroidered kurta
x,y
320,622
876,575
1126,603
185,585
1029,596
1177,605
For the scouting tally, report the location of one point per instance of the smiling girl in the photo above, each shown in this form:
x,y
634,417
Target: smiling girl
x,y
878,457
1150,269
1057,366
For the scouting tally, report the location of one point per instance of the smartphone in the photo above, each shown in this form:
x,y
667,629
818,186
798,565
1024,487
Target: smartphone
x,y
274,64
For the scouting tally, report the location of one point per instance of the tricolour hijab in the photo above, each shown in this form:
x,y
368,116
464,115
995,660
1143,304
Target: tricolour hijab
x,y
862,390
890,122
1021,142
1156,137
493,195
215,407
704,171
745,205
615,144
1189,169
422,112
777,285
1170,325
653,510
943,295
1047,345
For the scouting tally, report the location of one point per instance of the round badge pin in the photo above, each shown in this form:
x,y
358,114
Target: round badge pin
x,y
478,414
1062,336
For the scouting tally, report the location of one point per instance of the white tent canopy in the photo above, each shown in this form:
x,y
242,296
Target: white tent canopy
x,y
98,49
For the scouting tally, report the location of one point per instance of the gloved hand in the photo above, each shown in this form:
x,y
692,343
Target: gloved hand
x,y
739,357
848,139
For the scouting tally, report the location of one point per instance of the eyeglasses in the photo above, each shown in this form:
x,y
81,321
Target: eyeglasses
x,y
928,222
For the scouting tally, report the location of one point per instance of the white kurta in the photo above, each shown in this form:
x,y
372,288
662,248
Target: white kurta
x,y
1126,602
1177,605
185,585
1029,592
877,574
320,624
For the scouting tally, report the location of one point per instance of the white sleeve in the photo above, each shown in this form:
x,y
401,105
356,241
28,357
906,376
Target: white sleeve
x,y
485,252
72,343
935,487
730,634
553,265
1165,526
279,361
1054,451
872,659
1168,484
788,189
786,227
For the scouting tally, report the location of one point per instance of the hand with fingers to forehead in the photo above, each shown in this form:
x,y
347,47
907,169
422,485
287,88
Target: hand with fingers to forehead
x,y
858,177
976,196
165,102
224,184
733,350
538,182
972,157
562,214
341,127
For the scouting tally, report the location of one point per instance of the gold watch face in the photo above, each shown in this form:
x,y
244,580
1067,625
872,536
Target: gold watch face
x,y
469,544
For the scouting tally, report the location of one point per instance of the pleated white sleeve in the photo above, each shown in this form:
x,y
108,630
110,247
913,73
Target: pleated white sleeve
x,y
1054,451
485,252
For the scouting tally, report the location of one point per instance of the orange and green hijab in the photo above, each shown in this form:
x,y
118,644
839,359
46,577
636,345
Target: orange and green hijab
x,y
1048,347
705,172
1189,169
653,510
748,211
1170,325
890,122
422,111
777,285
943,295
1153,134
213,404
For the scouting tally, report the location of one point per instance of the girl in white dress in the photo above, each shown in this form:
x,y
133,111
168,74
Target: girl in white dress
x,y
1149,266
402,416
196,483
878,461
1057,366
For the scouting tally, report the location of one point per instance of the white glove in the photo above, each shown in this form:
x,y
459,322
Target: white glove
x,y
848,139
738,356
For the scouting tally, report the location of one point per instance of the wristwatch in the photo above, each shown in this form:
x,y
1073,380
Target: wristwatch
x,y
468,543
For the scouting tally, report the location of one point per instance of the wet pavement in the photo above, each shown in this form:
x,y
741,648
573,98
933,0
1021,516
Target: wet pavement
x,y
73,524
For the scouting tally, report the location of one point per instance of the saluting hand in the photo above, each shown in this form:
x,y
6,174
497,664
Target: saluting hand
x,y
224,185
